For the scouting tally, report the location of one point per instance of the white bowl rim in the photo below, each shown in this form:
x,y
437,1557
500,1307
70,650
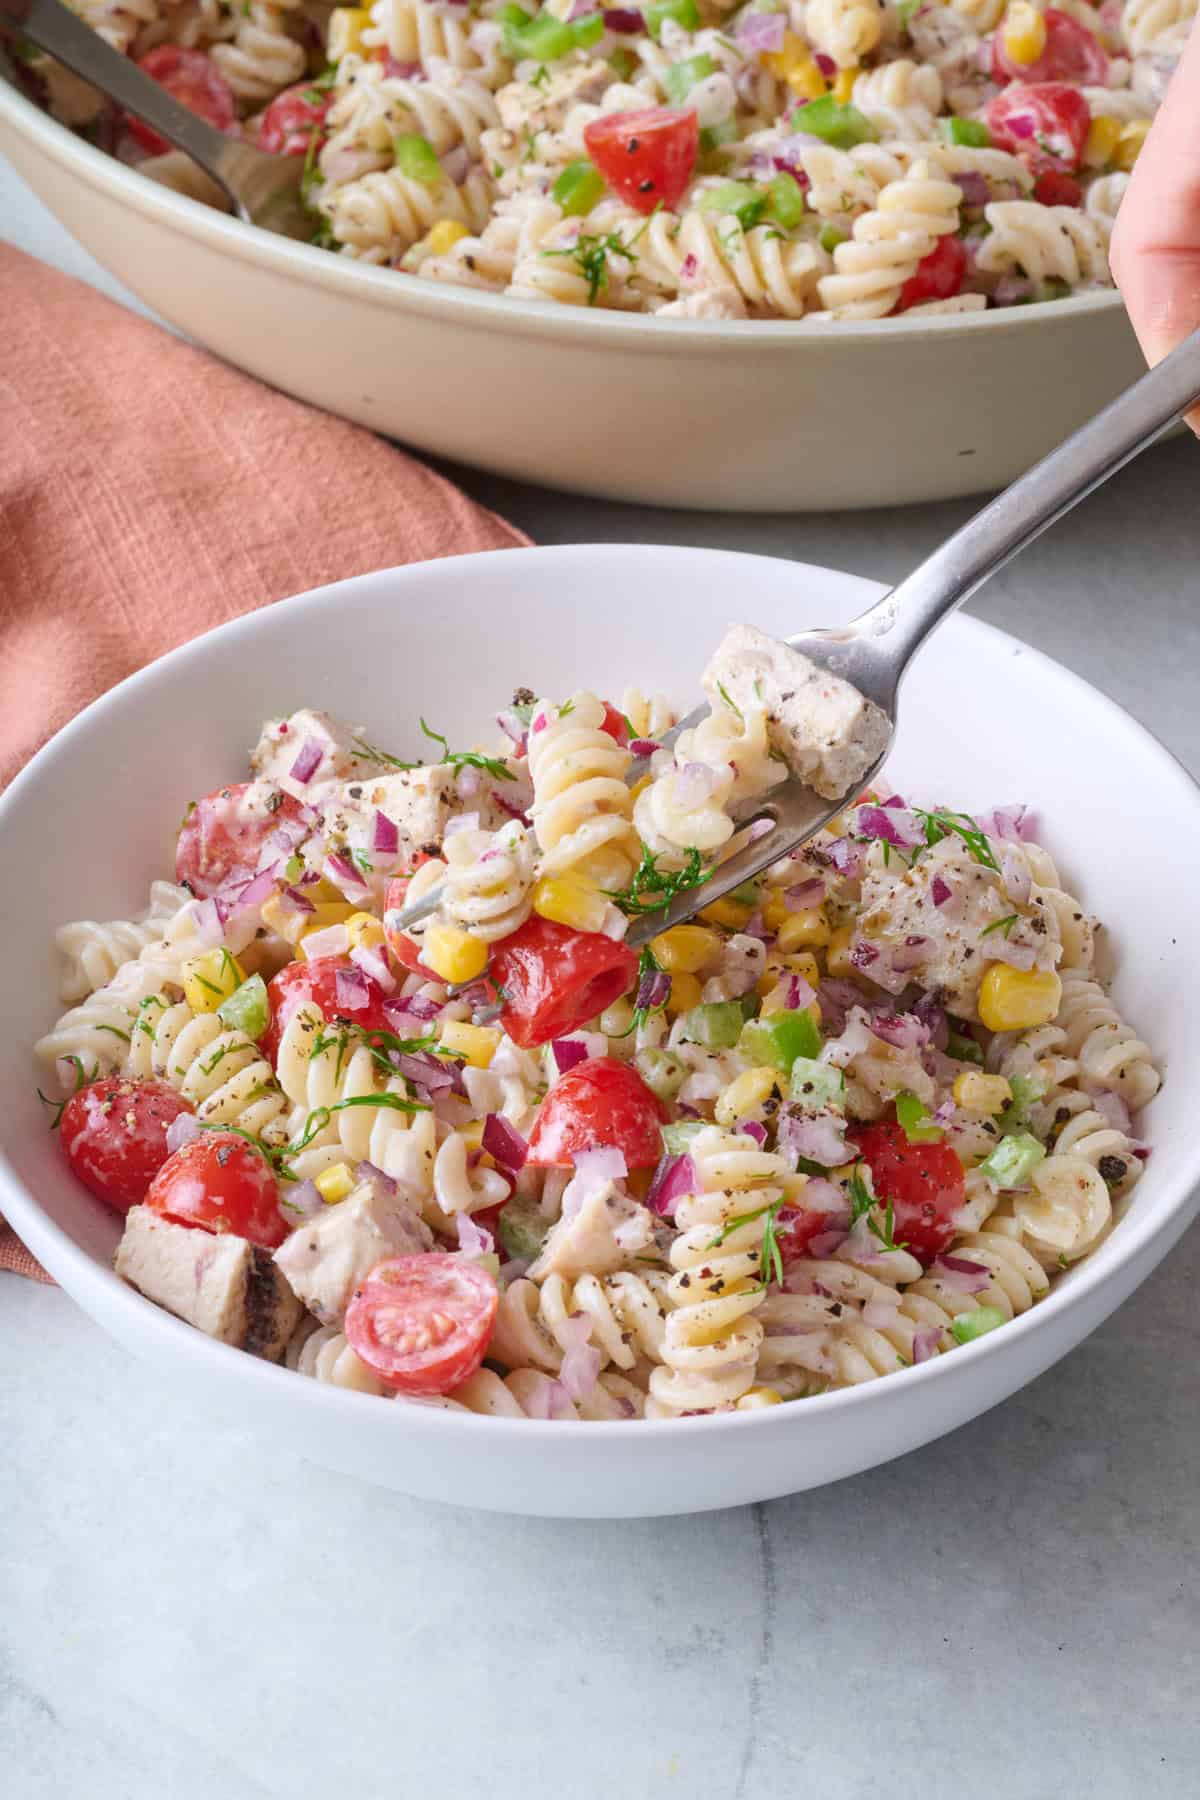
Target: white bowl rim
x,y
57,1250
470,306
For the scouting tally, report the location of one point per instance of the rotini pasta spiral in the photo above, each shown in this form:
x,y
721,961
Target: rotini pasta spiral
x,y
721,761
1109,1053
887,244
223,1074
1045,242
626,1315
413,31
322,1352
582,809
99,1031
1145,22
381,214
488,880
1068,1210
263,57
710,1346
94,952
847,30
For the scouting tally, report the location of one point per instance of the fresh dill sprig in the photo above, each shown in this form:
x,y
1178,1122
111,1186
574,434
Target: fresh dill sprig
x,y
941,824
1004,925
770,1265
653,888
864,1204
82,1078
491,765
731,704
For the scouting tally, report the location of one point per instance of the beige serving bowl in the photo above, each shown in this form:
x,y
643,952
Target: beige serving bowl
x,y
753,417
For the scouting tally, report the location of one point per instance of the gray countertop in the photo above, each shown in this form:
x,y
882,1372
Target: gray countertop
x,y
1010,1612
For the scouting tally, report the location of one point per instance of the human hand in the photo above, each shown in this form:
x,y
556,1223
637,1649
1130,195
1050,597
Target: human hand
x,y
1155,250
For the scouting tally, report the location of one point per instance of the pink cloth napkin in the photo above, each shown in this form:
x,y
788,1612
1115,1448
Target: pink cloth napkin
x,y
149,492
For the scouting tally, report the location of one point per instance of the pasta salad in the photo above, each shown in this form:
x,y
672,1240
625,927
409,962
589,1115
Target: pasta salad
x,y
858,1113
799,159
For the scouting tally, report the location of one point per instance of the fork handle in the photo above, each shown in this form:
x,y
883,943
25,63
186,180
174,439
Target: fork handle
x,y
55,29
903,619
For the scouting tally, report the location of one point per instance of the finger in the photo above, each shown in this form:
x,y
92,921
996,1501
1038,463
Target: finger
x,y
1156,244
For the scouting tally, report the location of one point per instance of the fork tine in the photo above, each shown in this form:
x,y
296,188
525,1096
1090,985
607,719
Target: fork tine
x,y
792,813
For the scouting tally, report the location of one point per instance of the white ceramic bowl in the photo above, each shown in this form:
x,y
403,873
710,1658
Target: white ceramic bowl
x,y
676,412
986,721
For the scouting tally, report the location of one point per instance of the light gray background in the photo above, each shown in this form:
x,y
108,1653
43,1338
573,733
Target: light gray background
x,y
1009,1613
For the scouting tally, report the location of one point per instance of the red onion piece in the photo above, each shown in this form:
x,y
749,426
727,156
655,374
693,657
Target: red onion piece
x,y
752,1129
292,900
975,190
504,1143
352,990
654,990
846,857
473,1240
626,21
373,964
893,825
904,1031
386,835
182,1130
1112,1108
433,1073
333,941
398,1013
933,1016
300,1200
817,1137
567,1052
367,1171
800,994
344,875
643,746
940,891
836,998
960,1274
308,761
207,920
694,784
252,894
761,32
805,894
674,1177
926,1343
826,64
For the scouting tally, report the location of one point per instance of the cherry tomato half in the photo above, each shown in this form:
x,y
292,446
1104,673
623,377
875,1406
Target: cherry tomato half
x,y
422,1323
555,979
616,724
315,982
220,1183
225,832
938,276
114,1136
1072,53
191,78
287,126
646,157
924,1183
598,1104
1045,123
1056,189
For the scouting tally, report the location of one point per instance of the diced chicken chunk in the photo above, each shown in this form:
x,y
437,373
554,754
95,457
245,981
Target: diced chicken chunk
x,y
419,802
285,741
325,1260
942,921
828,733
600,1236
526,108
221,1284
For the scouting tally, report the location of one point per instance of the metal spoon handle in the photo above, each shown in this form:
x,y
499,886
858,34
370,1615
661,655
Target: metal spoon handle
x,y
54,28
904,618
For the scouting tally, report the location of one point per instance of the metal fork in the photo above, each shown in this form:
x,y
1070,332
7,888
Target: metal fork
x,y
875,650
262,189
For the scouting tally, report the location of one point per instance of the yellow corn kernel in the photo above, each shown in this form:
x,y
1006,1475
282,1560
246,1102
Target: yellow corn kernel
x,y
685,993
730,913
452,954
444,235
1104,134
802,963
793,53
843,85
686,949
472,1133
325,914
745,1095
979,1093
1017,999
837,953
364,931
1129,145
334,1184
346,25
210,978
477,1044
639,787
806,80
801,929
283,920
570,900
755,1397
1023,33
